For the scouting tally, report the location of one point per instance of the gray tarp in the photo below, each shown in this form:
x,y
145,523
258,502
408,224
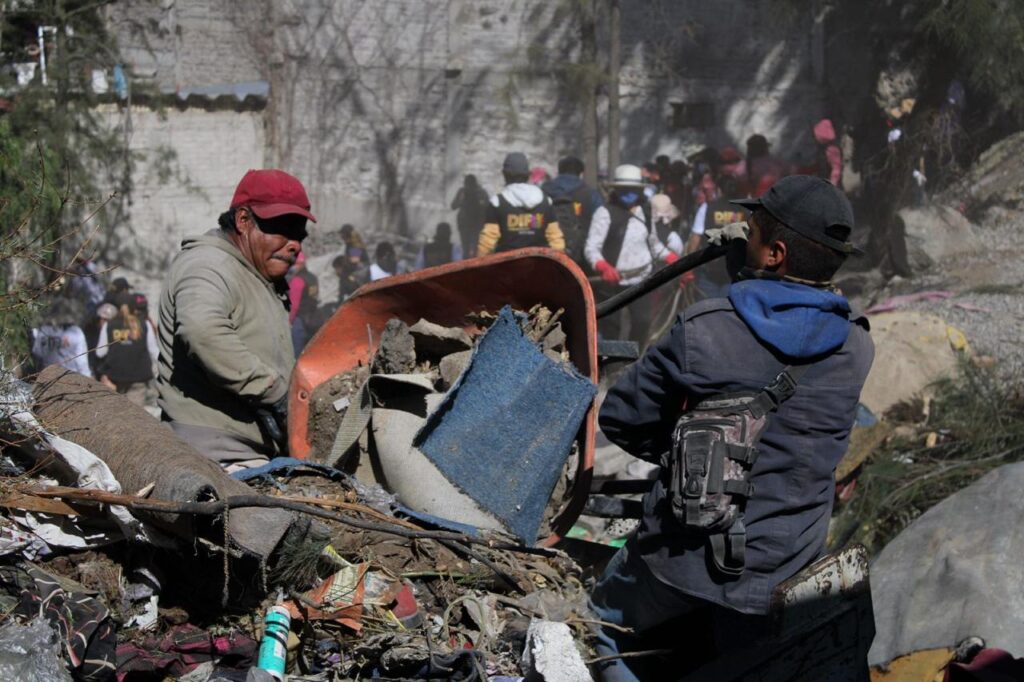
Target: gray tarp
x,y
956,571
140,450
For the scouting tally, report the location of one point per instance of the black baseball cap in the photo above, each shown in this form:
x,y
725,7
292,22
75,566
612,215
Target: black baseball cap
x,y
516,163
809,206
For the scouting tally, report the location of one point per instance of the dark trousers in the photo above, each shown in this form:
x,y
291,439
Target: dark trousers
x,y
640,312
661,618
469,235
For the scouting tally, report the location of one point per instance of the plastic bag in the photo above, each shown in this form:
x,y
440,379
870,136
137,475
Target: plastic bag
x,y
31,653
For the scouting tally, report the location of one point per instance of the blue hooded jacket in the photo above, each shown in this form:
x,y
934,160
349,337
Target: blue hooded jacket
x,y
793,319
734,344
564,186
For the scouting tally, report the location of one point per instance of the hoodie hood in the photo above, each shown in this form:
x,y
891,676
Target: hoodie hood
x,y
562,185
521,195
824,132
793,319
215,239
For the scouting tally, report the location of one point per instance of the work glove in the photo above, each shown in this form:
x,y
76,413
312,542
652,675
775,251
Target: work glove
x,y
608,272
721,235
686,279
274,419
671,258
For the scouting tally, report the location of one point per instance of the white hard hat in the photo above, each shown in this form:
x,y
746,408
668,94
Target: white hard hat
x,y
627,175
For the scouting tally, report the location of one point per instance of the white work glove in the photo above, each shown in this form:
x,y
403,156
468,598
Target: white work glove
x,y
721,235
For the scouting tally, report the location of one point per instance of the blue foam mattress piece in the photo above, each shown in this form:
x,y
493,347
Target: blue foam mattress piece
x,y
505,429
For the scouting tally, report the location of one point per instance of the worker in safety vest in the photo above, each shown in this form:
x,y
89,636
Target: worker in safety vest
x,y
520,215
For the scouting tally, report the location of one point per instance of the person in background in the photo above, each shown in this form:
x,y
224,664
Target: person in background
x,y
471,203
763,169
663,164
519,216
573,203
652,180
128,348
84,285
90,323
440,249
829,161
706,193
667,221
351,272
713,278
385,262
60,341
539,175
677,187
118,287
303,298
734,166
622,248
353,240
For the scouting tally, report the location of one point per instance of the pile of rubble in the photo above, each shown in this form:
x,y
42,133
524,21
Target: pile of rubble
x,y
126,555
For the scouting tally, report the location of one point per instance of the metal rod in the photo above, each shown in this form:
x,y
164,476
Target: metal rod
x,y
659,277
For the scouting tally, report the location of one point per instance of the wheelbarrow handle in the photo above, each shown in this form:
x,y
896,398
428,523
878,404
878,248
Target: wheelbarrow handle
x,y
659,277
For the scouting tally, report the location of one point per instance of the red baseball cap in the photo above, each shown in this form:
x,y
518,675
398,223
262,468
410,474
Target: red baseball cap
x,y
730,154
271,193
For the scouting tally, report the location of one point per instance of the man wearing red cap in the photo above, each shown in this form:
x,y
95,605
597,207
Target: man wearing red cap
x,y
226,352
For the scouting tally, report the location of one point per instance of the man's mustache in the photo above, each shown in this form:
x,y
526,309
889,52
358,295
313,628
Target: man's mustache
x,y
286,259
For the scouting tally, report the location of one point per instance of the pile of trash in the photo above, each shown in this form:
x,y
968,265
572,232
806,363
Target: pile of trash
x,y
126,555
475,428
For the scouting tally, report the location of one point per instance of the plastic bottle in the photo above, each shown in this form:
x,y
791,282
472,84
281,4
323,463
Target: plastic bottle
x,y
274,647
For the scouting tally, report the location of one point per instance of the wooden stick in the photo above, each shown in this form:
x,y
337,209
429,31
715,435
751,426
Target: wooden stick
x,y
629,654
217,507
349,506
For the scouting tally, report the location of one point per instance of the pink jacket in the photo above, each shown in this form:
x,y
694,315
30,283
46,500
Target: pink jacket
x,y
825,135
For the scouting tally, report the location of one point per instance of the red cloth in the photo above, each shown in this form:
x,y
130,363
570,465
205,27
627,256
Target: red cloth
x,y
990,665
835,164
296,285
182,649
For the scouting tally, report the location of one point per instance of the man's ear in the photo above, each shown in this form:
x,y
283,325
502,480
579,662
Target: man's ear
x,y
776,254
243,221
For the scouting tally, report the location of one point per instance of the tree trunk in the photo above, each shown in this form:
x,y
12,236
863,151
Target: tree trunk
x,y
588,56
614,64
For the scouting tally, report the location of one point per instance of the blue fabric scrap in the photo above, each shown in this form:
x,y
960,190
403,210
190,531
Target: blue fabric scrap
x,y
504,431
285,466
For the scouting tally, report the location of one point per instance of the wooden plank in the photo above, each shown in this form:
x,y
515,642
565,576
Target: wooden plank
x,y
34,503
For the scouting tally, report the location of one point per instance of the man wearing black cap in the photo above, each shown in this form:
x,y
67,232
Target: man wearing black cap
x,y
520,215
781,314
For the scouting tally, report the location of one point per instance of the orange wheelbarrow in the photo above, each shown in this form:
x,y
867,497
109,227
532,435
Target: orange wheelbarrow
x,y
444,295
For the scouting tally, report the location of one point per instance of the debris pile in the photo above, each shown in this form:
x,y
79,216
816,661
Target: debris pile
x,y
126,555
479,427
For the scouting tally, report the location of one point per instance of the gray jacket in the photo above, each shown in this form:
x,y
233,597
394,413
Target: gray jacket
x,y
225,343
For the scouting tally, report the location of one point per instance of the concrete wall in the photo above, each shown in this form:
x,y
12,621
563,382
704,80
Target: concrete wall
x,y
189,162
381,107
172,44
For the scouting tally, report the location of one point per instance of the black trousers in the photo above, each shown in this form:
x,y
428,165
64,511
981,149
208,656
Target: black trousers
x,y
639,312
